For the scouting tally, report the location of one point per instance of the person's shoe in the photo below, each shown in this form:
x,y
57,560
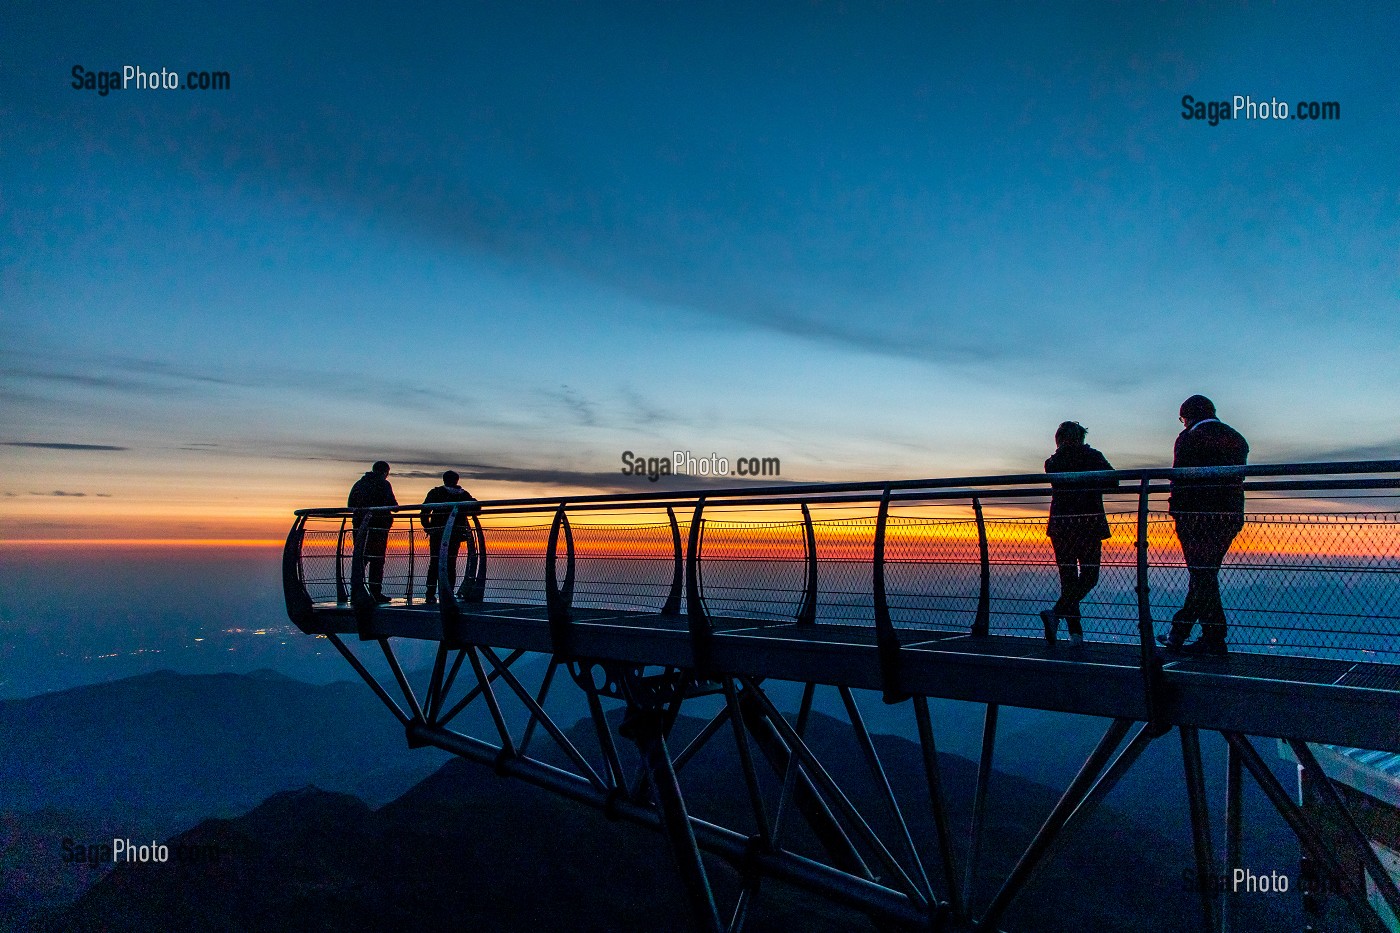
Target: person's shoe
x,y
430,599
382,599
1076,639
1169,643
1048,619
1203,647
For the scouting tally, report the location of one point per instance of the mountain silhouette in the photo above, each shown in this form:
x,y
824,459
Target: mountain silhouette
x,y
466,849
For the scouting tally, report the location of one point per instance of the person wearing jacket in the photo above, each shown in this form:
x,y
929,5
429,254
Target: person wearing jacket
x,y
435,521
1077,526
372,490
1209,513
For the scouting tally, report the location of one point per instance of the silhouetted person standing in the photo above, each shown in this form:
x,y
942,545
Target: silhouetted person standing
x,y
1208,513
1077,526
369,491
434,522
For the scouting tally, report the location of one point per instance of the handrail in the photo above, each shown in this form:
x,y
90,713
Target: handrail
x,y
874,489
1000,603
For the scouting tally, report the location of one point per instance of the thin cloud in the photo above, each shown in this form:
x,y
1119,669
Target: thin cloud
x,y
55,445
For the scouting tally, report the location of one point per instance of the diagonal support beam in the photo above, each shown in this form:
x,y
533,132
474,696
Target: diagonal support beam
x,y
934,776
539,714
368,678
1303,828
540,696
399,676
799,789
979,802
676,822
1351,832
823,780
508,749
474,692
1041,845
877,771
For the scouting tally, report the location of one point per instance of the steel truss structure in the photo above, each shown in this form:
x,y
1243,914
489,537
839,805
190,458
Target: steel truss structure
x,y
624,607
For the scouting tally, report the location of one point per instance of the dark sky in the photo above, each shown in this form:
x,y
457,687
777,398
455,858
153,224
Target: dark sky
x,y
518,239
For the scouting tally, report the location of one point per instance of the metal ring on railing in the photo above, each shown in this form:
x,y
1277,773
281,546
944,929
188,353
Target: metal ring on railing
x,y
300,608
981,625
807,611
701,631
559,600
673,598
886,640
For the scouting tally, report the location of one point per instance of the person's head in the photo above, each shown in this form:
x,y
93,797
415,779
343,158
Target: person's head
x,y
1069,432
450,478
380,467
1196,408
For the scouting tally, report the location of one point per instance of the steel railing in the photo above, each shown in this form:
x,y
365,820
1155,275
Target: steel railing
x,y
1314,572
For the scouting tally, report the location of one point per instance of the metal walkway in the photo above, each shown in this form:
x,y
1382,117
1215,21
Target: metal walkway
x,y
915,589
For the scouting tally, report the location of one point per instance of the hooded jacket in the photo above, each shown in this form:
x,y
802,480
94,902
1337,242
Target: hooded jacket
x,y
1076,506
372,490
435,519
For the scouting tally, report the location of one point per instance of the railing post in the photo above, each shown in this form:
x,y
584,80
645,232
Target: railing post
x,y
299,604
673,598
408,587
886,640
1150,662
981,625
807,612
696,616
560,600
341,594
361,601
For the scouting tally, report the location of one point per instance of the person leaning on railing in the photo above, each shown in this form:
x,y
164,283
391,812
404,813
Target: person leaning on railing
x,y
1208,514
1076,528
435,520
372,490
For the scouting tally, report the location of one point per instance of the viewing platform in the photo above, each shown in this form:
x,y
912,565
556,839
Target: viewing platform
x,y
914,589
924,587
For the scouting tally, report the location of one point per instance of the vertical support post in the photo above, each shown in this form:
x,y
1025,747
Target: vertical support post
x,y
886,640
342,595
1200,824
1149,660
673,598
1234,833
807,612
981,625
698,619
979,800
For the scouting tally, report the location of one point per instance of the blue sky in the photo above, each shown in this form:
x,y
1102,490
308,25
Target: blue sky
x,y
869,239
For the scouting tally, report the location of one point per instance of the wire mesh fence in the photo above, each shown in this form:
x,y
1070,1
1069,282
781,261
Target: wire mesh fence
x,y
1307,582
